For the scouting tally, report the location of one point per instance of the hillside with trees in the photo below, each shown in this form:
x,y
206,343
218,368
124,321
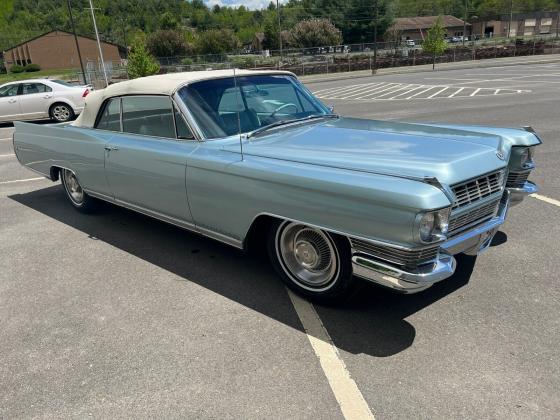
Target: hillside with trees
x,y
190,27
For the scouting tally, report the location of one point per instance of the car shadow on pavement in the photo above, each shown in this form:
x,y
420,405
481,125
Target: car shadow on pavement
x,y
371,321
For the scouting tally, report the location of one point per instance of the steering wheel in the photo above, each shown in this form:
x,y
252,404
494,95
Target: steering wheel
x,y
281,107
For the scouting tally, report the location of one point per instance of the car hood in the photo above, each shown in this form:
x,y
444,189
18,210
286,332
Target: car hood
x,y
389,148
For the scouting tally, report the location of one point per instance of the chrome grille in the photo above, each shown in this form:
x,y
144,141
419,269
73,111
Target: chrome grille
x,y
517,179
476,189
478,214
402,257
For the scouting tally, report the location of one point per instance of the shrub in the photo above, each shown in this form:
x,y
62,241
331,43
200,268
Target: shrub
x,y
32,67
16,68
140,62
314,33
167,43
216,42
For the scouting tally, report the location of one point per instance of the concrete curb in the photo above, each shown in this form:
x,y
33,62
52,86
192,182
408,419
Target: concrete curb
x,y
494,62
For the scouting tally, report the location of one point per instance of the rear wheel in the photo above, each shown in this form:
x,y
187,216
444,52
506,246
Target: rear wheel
x,y
61,112
311,261
75,193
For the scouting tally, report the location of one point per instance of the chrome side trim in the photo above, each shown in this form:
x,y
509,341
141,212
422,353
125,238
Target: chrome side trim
x,y
345,234
171,220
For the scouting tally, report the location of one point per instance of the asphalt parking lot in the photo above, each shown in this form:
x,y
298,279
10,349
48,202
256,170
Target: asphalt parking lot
x,y
116,315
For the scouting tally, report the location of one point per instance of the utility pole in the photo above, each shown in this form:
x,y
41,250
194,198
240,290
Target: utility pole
x,y
77,43
375,23
557,22
99,44
510,18
466,14
279,28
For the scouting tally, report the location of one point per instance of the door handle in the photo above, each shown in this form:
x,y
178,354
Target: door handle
x,y
12,101
47,96
109,148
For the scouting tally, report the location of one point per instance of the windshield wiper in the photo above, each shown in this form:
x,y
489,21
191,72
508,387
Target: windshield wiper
x,y
285,122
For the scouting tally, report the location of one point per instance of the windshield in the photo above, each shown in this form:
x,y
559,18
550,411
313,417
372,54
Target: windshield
x,y
224,107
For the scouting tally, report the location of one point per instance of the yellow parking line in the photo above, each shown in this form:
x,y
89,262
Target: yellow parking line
x,y
546,199
349,398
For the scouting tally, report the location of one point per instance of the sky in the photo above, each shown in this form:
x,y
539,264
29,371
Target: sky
x,y
250,4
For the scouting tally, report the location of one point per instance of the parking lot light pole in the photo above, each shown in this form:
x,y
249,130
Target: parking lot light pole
x,y
77,43
99,44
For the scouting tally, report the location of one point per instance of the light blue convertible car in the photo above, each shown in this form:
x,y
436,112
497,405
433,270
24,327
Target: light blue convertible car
x,y
253,159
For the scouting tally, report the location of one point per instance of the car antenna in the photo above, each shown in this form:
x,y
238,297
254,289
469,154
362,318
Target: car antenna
x,y
237,112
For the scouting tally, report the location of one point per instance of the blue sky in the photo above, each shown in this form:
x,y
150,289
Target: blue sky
x,y
251,4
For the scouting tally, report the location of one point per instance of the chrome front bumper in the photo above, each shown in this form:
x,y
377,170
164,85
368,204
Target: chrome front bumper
x,y
518,194
471,242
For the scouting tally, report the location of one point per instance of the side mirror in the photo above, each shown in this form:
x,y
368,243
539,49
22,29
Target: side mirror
x,y
331,108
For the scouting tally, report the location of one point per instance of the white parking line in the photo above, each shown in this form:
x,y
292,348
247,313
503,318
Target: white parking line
x,y
456,92
11,154
438,92
546,199
475,92
349,398
21,180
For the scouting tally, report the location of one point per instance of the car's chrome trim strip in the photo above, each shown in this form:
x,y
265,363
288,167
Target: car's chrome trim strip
x,y
171,220
345,234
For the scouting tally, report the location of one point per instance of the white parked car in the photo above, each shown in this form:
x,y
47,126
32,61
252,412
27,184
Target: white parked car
x,y
41,98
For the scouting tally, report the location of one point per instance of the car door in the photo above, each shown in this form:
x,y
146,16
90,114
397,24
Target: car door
x,y
9,103
145,163
35,100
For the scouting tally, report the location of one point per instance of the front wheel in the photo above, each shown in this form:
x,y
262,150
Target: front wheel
x,y
310,261
75,193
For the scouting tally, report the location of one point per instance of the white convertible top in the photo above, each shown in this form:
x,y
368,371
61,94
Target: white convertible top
x,y
163,84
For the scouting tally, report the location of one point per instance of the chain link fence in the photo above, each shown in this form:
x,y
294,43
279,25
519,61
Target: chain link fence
x,y
337,59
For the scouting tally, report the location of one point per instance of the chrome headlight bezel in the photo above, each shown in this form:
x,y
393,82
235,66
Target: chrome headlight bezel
x,y
432,225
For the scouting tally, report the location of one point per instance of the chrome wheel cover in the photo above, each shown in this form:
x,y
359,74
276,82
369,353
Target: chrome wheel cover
x,y
75,192
307,255
61,113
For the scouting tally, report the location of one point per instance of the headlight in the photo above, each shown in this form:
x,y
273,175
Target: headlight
x,y
433,225
526,157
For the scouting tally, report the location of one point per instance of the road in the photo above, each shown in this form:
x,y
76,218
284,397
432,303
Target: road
x,y
117,315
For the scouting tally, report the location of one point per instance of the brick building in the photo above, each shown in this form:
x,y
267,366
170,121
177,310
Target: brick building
x,y
416,28
57,50
523,24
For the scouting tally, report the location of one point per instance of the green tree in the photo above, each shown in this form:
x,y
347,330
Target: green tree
x,y
216,42
314,33
435,43
167,43
140,62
